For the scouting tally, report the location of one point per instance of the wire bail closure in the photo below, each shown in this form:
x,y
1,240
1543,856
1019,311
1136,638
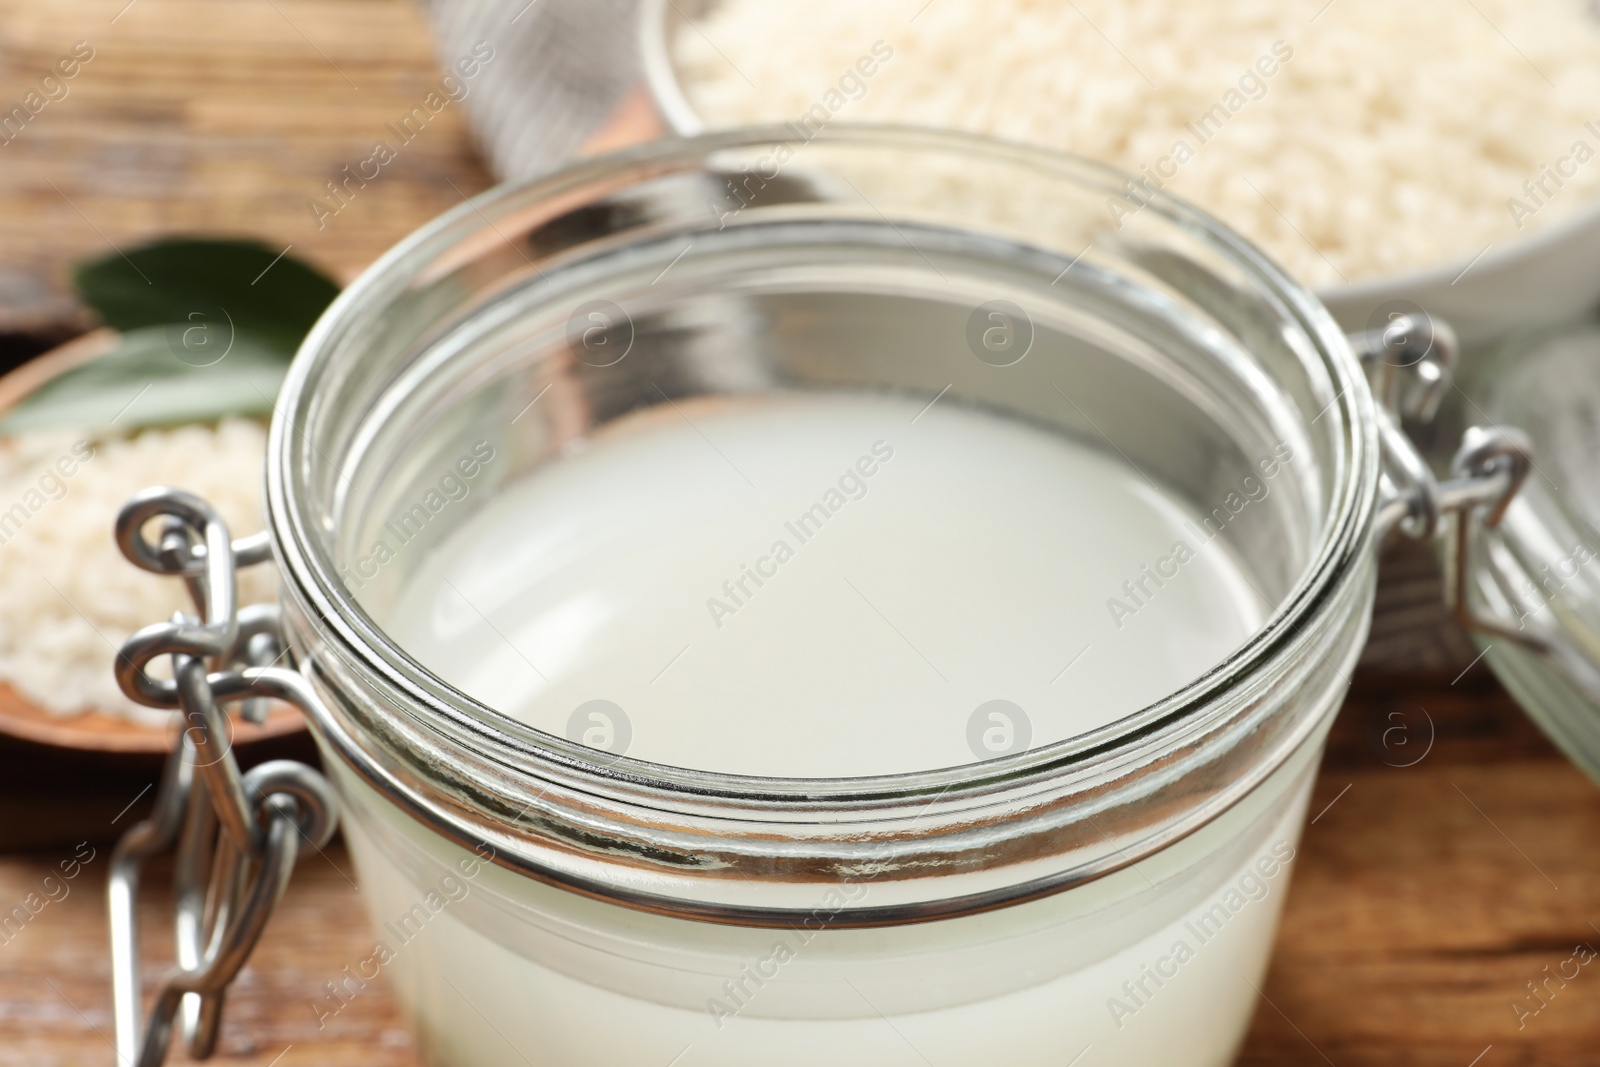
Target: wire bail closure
x,y
237,835
1411,363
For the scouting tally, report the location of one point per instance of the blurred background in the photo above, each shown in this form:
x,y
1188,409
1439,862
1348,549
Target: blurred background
x,y
200,117
1451,859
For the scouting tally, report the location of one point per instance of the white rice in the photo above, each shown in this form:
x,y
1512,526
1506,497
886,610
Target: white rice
x,y
1394,136
68,598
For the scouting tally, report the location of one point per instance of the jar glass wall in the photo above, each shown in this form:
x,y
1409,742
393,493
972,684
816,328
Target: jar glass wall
x,y
1116,880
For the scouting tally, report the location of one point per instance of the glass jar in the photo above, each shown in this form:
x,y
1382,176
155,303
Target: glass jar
x,y
1109,894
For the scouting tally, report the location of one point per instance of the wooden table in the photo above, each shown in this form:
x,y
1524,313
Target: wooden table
x,y
1424,899
213,116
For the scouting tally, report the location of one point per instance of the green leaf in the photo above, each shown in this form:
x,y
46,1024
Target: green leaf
x,y
154,378
243,286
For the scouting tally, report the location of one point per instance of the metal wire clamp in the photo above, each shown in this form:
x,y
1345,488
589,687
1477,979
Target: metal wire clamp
x,y
237,835
1410,364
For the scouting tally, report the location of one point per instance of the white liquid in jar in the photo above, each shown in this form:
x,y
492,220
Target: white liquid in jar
x,y
826,585
1153,966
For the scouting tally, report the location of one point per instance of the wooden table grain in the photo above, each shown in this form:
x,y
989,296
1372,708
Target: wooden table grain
x,y
1431,893
1450,861
214,117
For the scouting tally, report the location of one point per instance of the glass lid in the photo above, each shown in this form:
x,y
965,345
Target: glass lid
x,y
1537,570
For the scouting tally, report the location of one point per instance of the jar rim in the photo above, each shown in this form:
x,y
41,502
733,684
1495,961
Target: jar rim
x,y
312,576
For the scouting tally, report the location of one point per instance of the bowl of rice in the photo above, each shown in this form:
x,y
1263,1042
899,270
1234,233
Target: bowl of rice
x,y
1436,155
68,600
